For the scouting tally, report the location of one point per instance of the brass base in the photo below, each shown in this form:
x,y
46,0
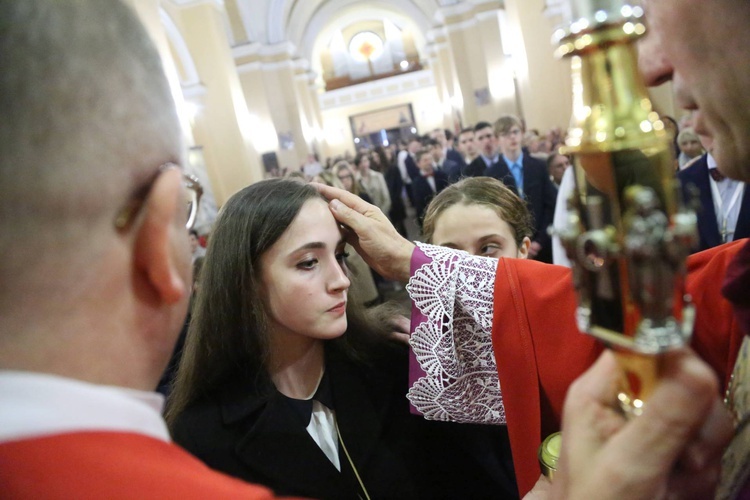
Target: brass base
x,y
640,373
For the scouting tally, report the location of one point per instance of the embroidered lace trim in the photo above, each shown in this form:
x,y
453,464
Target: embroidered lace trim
x,y
453,345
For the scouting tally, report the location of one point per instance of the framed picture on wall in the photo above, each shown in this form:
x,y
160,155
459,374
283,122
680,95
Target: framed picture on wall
x,y
382,126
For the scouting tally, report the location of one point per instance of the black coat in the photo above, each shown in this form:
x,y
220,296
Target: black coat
x,y
423,193
395,188
474,169
456,157
540,195
452,170
397,454
708,229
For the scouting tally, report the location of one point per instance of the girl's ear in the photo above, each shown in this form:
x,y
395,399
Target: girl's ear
x,y
523,248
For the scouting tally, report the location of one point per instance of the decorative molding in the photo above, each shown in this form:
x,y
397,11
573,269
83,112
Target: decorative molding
x,y
455,10
286,48
301,63
249,67
193,3
432,49
193,91
275,66
264,66
246,50
178,42
488,14
378,89
461,26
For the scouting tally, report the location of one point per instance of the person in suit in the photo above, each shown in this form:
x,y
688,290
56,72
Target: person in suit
x,y
285,383
528,177
724,211
690,147
96,265
445,139
557,164
429,183
485,143
466,146
440,162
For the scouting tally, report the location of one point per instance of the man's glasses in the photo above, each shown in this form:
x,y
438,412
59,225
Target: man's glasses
x,y
193,192
514,131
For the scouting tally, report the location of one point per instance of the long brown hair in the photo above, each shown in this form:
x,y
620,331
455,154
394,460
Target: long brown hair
x,y
228,336
484,191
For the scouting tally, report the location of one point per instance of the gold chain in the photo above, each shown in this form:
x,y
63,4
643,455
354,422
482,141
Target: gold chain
x,y
349,458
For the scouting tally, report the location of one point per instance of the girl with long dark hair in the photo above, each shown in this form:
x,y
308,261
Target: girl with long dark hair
x,y
284,383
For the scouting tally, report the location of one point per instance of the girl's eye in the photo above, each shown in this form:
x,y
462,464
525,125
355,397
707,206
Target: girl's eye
x,y
308,264
490,249
342,256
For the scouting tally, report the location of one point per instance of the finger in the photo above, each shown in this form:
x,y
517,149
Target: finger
x,y
541,490
401,338
402,324
590,416
351,200
712,439
354,220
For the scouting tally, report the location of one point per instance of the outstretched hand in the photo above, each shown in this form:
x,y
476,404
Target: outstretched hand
x,y
371,233
672,450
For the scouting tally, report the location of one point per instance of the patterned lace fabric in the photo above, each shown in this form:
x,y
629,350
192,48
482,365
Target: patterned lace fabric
x,y
452,293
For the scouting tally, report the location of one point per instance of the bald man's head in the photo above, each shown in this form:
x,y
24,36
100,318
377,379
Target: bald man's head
x,y
86,117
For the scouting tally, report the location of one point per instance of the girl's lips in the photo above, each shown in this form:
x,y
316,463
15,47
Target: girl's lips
x,y
338,308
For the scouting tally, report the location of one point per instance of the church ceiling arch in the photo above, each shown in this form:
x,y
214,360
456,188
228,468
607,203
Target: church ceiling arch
x,y
276,21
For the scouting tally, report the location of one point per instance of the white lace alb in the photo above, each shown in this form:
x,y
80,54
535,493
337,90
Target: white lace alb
x,y
454,344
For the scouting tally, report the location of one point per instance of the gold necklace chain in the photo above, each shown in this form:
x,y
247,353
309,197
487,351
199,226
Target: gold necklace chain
x,y
349,458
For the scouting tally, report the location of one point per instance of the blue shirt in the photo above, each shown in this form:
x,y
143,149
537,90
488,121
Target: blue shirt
x,y
516,168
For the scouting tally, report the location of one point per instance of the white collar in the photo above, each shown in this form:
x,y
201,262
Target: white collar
x,y
711,161
36,404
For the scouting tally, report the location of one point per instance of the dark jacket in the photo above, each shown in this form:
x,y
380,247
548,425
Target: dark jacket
x,y
540,195
411,167
452,170
474,169
423,193
708,229
398,455
456,157
395,188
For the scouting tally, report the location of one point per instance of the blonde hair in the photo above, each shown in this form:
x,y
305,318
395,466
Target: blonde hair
x,y
686,135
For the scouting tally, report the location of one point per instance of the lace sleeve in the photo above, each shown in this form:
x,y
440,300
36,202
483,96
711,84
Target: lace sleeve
x,y
452,295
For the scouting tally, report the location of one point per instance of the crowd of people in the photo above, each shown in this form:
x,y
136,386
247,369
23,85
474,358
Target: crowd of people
x,y
287,383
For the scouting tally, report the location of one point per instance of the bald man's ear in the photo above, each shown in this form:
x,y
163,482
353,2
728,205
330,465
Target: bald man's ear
x,y
157,245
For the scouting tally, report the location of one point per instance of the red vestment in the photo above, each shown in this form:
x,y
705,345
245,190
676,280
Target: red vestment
x,y
111,465
540,352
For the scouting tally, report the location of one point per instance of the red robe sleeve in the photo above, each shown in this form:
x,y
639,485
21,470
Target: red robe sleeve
x,y
539,350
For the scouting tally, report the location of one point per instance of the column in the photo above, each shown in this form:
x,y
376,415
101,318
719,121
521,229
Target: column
x,y
223,126
544,82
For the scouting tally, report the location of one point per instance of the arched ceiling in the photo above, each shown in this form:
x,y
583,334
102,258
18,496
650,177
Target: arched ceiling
x,y
304,22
